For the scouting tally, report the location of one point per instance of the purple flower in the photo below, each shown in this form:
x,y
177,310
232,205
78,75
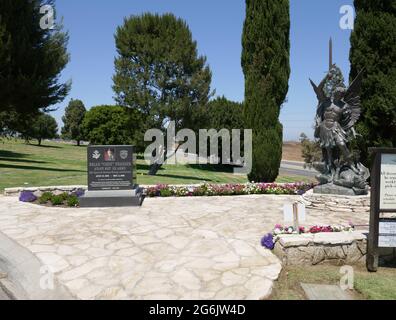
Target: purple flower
x,y
27,196
268,241
78,193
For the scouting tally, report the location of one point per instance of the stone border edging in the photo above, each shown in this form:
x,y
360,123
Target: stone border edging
x,y
23,271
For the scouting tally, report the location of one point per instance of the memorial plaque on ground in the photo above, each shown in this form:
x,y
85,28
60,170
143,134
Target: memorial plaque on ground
x,y
111,168
111,177
383,200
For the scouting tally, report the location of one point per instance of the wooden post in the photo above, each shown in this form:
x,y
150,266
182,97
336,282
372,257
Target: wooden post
x,y
372,245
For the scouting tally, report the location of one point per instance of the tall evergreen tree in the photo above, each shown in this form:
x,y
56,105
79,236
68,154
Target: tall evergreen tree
x,y
265,62
31,58
72,120
43,127
373,49
158,72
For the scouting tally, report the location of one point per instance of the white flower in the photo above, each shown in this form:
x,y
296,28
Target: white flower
x,y
277,231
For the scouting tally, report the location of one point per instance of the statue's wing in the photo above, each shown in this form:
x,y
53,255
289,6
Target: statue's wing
x,y
319,90
352,93
351,114
352,110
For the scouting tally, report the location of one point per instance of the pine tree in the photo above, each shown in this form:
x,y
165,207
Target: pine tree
x,y
73,119
159,72
265,62
31,59
373,49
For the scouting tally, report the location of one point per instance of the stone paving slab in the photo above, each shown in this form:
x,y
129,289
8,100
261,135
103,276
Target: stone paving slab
x,y
170,248
3,295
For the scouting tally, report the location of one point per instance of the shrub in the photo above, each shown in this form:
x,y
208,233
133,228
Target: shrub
x,y
72,201
45,197
311,151
64,196
166,192
57,200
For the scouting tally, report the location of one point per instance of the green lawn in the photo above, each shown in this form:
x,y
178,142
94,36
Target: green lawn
x,y
380,285
64,164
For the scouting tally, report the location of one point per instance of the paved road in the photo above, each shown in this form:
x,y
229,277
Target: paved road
x,y
287,167
296,168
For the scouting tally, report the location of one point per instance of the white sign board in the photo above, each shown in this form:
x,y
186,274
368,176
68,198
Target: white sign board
x,y
388,182
387,234
288,213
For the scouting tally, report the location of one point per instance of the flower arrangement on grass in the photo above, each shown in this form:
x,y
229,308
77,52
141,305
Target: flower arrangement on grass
x,y
164,190
269,240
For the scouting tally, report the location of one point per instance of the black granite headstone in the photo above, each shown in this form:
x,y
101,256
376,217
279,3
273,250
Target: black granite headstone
x,y
111,168
111,177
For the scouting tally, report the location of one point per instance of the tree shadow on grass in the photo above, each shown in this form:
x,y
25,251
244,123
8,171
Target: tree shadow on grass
x,y
11,166
213,167
11,154
45,146
21,160
146,167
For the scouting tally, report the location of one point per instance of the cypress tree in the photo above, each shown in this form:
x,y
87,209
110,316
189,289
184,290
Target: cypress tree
x,y
265,62
373,48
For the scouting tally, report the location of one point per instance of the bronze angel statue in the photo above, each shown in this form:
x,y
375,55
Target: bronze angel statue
x,y
337,113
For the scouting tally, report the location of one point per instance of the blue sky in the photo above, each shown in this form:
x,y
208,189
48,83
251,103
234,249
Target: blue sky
x,y
217,27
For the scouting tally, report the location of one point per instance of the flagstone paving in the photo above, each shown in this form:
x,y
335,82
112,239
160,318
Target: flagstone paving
x,y
170,248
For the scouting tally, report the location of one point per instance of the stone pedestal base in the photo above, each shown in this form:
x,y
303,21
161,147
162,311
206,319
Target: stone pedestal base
x,y
336,203
121,198
331,188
